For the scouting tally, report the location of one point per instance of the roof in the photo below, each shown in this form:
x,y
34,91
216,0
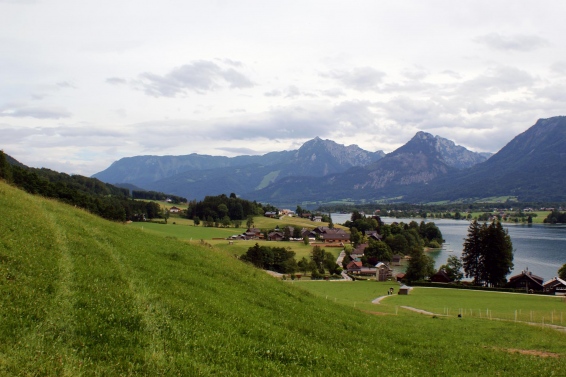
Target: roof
x,y
555,280
528,275
354,264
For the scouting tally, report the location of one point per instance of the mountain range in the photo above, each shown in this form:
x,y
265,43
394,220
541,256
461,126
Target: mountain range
x,y
427,168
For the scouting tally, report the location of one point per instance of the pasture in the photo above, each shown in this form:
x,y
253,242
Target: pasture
x,y
82,296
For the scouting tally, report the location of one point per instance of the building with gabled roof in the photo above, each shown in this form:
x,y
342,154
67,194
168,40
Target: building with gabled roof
x,y
555,285
526,280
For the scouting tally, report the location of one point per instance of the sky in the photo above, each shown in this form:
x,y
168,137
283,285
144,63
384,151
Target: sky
x,y
85,83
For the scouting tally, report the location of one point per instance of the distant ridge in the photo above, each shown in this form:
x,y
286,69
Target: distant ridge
x,y
199,175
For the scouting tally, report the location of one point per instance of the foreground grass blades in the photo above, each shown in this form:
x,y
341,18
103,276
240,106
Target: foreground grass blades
x,y
84,296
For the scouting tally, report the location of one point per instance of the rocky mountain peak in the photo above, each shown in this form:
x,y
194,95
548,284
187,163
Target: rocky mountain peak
x,y
445,150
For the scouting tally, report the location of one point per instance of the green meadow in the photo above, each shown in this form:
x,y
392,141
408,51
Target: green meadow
x,y
184,229
535,309
82,296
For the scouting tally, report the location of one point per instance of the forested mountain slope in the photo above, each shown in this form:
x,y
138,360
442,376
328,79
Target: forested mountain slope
x,y
532,167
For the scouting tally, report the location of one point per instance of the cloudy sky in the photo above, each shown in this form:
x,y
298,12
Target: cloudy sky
x,y
85,83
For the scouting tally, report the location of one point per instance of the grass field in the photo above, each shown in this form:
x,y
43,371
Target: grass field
x,y
82,296
468,303
184,229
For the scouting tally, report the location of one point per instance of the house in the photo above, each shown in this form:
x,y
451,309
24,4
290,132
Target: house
x,y
396,259
526,281
441,277
400,276
310,234
275,236
383,272
335,235
372,234
174,210
317,219
253,233
404,290
354,267
358,252
270,214
556,286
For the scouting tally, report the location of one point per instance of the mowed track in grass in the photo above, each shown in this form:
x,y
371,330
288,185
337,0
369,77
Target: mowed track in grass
x,y
84,296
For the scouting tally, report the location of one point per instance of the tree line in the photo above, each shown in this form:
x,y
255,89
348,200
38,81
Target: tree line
x,y
102,199
155,195
225,210
282,260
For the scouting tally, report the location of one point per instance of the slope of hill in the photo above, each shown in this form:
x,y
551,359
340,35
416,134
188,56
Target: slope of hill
x,y
84,296
532,167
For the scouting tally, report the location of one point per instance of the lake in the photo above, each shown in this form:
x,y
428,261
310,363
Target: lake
x,y
539,247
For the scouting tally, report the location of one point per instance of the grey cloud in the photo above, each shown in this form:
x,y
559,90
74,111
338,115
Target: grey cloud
x,y
334,93
65,84
34,112
416,73
559,67
239,151
200,76
453,74
500,79
116,81
516,42
553,92
362,78
273,93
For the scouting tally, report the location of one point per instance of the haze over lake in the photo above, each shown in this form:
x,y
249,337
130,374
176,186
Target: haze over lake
x,y
539,247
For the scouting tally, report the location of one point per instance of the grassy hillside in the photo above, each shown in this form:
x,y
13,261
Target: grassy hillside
x,y
84,296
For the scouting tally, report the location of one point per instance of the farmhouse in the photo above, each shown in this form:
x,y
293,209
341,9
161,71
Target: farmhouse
x,y
275,236
556,286
527,281
174,210
358,252
441,277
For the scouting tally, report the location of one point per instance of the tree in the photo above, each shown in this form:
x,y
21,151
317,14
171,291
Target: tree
x,y
303,265
250,222
498,254
472,255
377,251
5,168
488,254
420,267
330,263
317,256
196,221
226,222
356,236
453,268
562,272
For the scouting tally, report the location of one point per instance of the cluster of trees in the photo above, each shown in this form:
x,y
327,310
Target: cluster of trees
x,y
488,254
277,259
401,238
154,195
408,210
222,210
283,260
556,217
102,199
